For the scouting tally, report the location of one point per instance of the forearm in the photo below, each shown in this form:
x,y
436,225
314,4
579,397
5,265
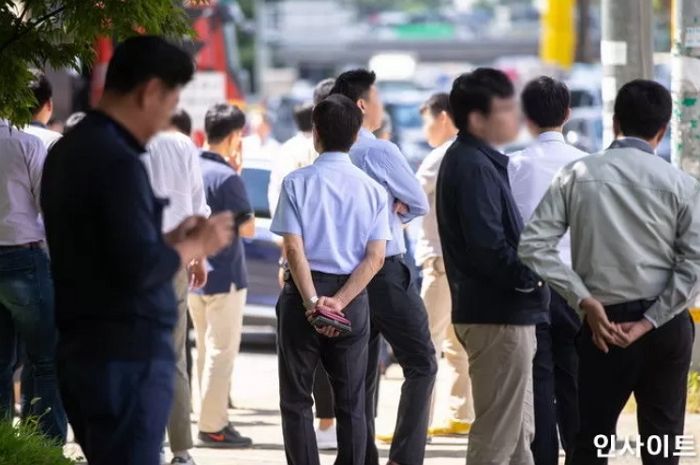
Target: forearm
x,y
544,259
359,279
301,273
678,296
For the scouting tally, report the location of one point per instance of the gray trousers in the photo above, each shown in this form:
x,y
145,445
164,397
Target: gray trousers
x,y
179,424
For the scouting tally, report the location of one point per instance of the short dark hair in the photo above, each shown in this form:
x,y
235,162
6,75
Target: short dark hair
x,y
643,108
73,121
140,58
42,90
546,102
323,89
475,91
354,84
221,120
181,121
337,120
436,104
302,116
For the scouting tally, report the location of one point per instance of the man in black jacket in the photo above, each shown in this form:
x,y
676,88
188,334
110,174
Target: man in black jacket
x,y
497,301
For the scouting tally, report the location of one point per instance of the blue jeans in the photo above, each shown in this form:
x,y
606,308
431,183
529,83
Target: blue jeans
x,y
27,316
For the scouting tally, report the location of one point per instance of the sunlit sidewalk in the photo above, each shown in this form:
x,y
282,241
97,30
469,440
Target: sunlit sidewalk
x,y
258,417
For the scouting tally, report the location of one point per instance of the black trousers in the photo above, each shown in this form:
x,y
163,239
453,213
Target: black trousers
x,y
398,314
555,381
655,369
344,358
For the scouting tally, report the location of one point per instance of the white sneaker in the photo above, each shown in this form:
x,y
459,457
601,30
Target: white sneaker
x,y
181,461
326,439
163,460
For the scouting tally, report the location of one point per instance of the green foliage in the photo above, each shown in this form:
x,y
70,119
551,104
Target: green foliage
x,y
23,445
694,392
60,33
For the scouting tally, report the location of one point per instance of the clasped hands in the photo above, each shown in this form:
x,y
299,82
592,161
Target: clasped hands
x,y
606,333
329,304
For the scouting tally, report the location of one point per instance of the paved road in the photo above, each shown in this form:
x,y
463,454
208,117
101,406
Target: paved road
x,y
257,416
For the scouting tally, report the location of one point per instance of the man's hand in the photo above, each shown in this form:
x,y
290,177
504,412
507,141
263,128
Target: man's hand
x,y
604,332
632,332
400,208
197,273
216,233
185,228
329,304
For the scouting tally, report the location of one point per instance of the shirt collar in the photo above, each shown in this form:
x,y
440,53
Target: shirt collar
x,y
366,133
38,124
119,130
333,157
633,143
551,136
494,155
215,157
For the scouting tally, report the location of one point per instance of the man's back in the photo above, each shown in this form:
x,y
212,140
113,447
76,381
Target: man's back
x,y
47,136
173,167
532,170
384,163
623,207
335,230
21,163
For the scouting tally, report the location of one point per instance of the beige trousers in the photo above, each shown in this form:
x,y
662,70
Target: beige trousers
x,y
500,365
435,292
218,321
179,426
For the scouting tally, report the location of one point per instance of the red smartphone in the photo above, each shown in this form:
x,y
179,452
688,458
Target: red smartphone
x,y
323,317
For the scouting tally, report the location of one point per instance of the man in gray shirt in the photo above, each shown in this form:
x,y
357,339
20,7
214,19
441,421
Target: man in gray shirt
x,y
635,240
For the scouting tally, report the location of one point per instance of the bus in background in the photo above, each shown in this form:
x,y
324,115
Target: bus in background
x,y
219,76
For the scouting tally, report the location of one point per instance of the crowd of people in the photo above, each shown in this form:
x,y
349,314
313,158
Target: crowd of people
x,y
555,283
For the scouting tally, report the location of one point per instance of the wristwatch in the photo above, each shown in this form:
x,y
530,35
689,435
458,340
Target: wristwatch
x,y
311,303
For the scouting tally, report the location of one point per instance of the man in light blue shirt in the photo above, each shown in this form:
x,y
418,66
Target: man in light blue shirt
x,y
397,311
334,221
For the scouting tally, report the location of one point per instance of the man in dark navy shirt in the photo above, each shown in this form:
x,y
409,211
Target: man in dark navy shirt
x,y
496,299
217,310
113,269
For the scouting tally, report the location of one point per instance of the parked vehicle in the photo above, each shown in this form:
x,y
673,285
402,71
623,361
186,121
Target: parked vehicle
x,y
262,254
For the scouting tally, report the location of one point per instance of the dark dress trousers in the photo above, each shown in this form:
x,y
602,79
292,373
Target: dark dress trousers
x,y
344,358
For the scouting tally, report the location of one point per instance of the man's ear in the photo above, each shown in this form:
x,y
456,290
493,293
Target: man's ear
x,y
475,119
361,104
49,105
617,132
660,135
568,115
147,92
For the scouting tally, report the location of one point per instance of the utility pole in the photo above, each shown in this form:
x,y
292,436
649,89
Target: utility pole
x,y
626,50
685,86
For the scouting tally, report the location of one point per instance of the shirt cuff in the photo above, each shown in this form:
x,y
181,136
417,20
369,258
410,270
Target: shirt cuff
x,y
651,320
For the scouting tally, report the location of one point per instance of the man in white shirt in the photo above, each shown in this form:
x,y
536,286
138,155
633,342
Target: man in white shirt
x,y
545,103
42,111
440,132
260,143
296,153
173,167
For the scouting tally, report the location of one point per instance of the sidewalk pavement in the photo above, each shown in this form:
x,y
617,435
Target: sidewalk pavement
x,y
257,416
